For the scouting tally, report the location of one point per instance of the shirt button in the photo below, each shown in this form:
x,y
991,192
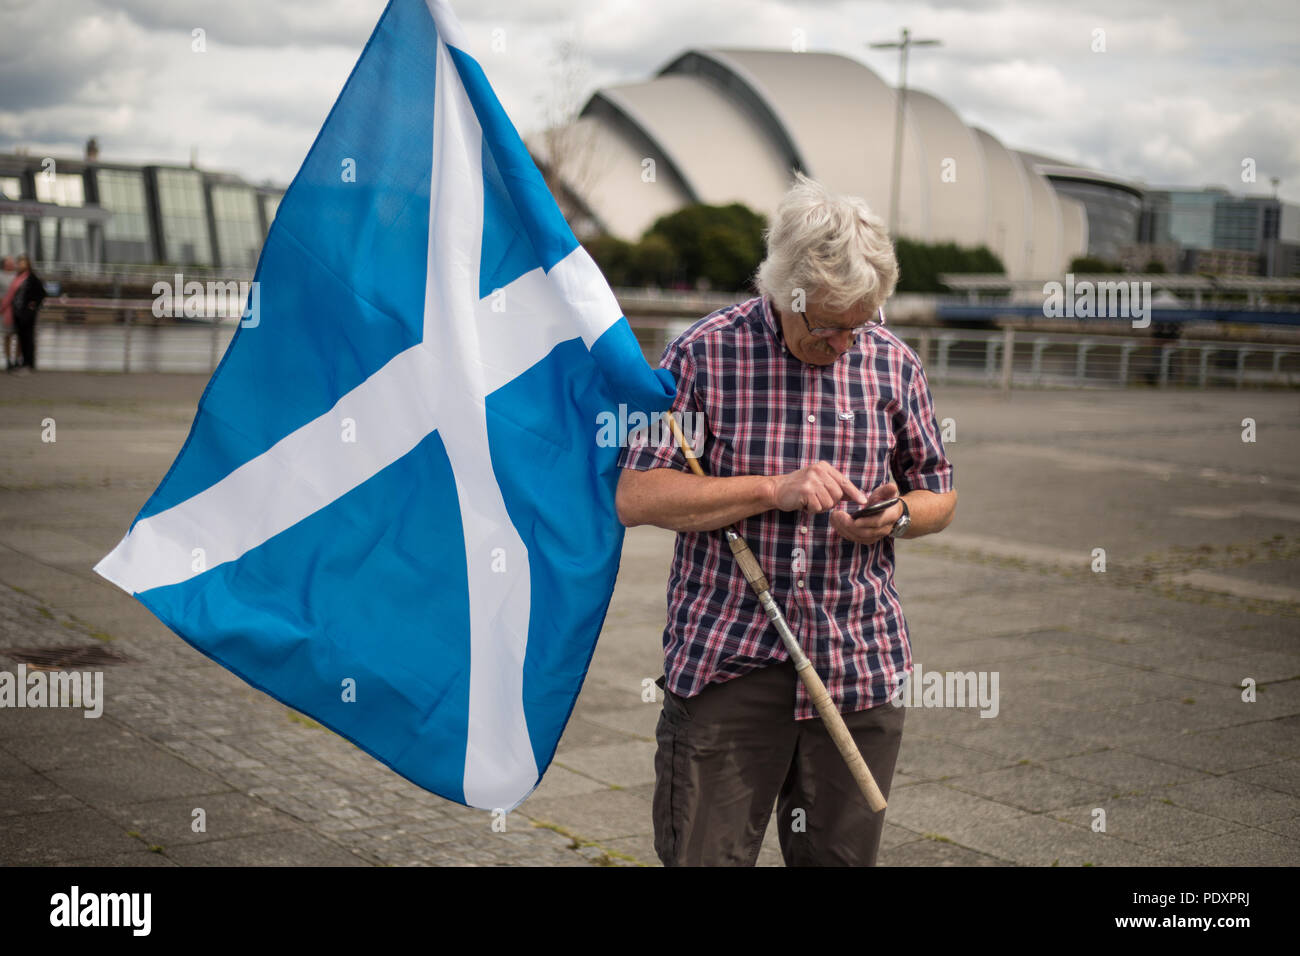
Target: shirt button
x,y
812,418
801,582
803,529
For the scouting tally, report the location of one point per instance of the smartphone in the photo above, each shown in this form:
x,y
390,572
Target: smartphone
x,y
875,509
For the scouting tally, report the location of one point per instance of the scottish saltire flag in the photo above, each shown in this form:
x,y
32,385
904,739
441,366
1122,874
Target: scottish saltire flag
x,y
393,489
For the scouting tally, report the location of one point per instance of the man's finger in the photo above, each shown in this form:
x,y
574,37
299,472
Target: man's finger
x,y
846,526
848,489
854,530
882,493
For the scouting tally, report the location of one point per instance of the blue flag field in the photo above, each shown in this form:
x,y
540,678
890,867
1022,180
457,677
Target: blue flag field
x,y
392,512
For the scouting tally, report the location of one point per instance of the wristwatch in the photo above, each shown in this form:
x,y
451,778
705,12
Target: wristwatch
x,y
904,521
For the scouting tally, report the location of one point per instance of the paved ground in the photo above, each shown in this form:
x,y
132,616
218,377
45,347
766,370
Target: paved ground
x,y
1119,690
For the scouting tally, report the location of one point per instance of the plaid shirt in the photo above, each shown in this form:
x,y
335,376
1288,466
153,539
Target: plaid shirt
x,y
766,412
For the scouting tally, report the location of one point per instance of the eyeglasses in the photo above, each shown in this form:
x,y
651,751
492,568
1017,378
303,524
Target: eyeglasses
x,y
830,331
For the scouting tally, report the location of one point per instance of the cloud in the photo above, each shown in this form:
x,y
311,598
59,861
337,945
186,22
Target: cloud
x,y
259,23
1176,97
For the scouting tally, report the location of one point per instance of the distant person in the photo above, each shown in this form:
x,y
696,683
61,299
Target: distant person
x,y
9,283
29,293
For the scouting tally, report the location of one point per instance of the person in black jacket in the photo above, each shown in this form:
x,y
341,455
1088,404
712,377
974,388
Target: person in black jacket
x,y
26,304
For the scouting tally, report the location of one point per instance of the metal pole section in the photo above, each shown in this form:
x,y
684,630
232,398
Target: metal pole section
x,y
1081,361
1008,356
126,340
1036,367
902,46
1124,351
901,100
945,343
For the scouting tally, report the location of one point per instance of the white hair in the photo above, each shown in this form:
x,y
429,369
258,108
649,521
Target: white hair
x,y
832,247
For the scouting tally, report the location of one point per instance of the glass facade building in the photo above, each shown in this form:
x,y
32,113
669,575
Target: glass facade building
x,y
183,214
126,232
1215,221
11,226
81,213
270,206
1245,223
1190,219
1114,213
64,240
238,225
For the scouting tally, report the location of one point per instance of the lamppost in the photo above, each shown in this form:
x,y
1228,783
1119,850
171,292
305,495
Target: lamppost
x,y
902,46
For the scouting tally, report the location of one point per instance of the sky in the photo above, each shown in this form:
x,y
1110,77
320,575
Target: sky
x,y
1169,94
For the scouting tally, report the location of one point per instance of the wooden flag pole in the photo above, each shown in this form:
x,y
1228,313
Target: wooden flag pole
x,y
821,698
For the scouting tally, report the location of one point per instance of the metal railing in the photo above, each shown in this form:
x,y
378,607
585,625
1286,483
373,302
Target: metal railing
x,y
1004,358
1008,358
128,347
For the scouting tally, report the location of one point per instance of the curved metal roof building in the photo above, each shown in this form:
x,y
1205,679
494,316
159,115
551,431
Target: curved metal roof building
x,y
729,125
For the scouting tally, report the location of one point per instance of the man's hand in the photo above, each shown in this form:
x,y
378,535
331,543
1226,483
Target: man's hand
x,y
870,528
816,488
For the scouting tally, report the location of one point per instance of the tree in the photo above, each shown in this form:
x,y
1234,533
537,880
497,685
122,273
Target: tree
x,y
720,244
651,262
568,151
613,255
920,264
1085,264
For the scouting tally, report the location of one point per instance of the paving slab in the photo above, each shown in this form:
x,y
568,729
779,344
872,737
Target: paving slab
x,y
933,759
1121,770
224,816
623,764
134,774
1209,751
38,839
1283,775
941,810
282,848
934,853
1043,841
1151,821
1234,800
605,814
1031,788
1249,847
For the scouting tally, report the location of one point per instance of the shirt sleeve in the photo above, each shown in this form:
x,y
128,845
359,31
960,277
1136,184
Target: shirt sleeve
x,y
919,461
655,446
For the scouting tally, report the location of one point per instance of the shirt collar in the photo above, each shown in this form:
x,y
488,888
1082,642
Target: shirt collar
x,y
773,322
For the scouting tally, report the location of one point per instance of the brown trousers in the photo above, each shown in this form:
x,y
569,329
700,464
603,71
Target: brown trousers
x,y
727,754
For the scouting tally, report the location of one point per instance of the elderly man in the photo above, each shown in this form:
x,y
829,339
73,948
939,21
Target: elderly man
x,y
809,403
